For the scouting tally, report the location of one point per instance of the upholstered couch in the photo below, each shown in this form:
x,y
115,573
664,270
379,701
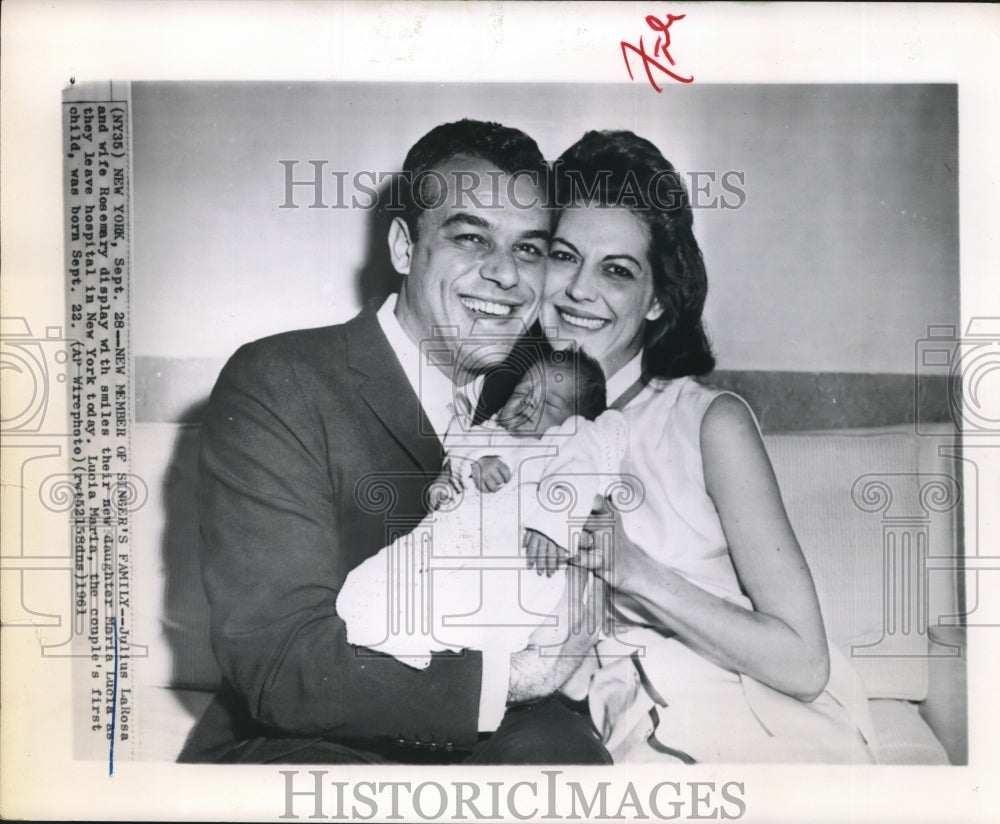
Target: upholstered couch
x,y
877,512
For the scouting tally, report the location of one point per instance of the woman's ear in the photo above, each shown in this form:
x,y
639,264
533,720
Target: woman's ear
x,y
400,246
655,309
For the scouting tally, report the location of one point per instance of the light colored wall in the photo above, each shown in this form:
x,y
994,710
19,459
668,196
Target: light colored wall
x,y
844,251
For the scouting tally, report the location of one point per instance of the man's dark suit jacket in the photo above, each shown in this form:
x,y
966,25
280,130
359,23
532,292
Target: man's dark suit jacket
x,y
311,451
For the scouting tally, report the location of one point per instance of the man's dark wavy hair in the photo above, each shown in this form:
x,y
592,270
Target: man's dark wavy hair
x,y
619,168
509,150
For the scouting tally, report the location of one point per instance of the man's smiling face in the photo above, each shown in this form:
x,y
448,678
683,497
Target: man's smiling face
x,y
477,265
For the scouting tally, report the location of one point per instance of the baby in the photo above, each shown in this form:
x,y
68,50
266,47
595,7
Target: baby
x,y
514,492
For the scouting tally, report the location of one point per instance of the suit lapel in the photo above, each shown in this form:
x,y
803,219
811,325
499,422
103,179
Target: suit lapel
x,y
387,391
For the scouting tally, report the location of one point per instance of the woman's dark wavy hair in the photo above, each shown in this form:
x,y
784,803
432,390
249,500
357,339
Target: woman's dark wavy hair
x,y
619,168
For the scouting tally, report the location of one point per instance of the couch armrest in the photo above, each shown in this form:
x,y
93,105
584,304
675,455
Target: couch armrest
x,y
946,707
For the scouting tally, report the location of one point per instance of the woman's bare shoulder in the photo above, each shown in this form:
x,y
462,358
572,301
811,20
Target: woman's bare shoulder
x,y
729,409
730,435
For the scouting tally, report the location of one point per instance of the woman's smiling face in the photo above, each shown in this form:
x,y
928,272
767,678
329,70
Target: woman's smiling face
x,y
599,283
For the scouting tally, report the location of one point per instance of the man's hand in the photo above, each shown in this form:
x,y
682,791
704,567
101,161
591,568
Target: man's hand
x,y
554,654
490,473
444,488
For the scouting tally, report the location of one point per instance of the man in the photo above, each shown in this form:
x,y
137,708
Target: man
x,y
318,444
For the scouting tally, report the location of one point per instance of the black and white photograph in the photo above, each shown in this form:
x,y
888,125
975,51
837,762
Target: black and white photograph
x,y
429,437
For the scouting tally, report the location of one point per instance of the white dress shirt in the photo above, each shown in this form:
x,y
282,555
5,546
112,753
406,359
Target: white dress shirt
x,y
437,394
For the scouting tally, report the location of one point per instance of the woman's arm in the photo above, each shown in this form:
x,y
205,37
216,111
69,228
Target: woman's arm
x,y
781,642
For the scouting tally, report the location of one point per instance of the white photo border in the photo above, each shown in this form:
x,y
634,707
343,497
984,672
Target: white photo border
x,y
45,45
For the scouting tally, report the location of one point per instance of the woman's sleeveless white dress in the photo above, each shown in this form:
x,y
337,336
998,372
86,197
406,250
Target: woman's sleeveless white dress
x,y
654,698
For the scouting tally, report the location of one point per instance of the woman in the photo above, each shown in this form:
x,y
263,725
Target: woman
x,y
719,653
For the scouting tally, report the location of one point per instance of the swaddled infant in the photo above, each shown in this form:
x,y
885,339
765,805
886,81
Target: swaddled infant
x,y
483,569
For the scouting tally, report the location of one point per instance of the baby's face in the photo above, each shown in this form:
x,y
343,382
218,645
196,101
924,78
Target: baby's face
x,y
538,402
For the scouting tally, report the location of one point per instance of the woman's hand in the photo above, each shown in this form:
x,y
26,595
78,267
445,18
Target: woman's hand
x,y
607,551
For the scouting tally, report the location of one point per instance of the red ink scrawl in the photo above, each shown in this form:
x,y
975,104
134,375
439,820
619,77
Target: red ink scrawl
x,y
662,48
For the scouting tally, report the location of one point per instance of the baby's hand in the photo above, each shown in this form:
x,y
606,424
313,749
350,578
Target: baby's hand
x,y
489,473
545,555
444,488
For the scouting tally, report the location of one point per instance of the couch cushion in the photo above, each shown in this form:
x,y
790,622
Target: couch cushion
x,y
852,499
902,736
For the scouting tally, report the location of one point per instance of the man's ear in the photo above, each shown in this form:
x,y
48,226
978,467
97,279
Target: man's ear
x,y
655,310
400,246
